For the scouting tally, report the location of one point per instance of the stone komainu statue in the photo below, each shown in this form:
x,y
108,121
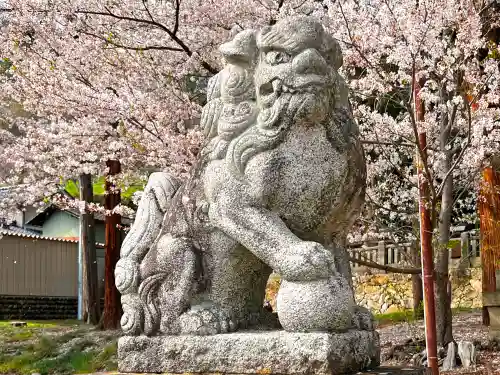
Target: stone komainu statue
x,y
276,187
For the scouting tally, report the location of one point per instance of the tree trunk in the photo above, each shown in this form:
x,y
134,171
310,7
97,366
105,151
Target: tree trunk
x,y
488,205
112,306
416,284
90,303
418,296
442,284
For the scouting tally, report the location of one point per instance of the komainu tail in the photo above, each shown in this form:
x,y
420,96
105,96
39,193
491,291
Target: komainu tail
x,y
153,205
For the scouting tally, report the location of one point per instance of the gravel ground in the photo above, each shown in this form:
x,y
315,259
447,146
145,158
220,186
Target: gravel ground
x,y
466,327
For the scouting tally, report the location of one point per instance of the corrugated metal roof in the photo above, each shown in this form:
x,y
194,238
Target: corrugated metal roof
x,y
98,216
19,230
26,234
8,232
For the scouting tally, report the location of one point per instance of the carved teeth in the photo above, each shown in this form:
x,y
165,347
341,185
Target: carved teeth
x,y
285,88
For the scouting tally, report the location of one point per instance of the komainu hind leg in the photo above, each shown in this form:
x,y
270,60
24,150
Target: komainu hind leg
x,y
176,261
234,296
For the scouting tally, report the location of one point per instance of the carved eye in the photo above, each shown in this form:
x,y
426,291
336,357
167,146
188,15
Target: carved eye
x,y
277,57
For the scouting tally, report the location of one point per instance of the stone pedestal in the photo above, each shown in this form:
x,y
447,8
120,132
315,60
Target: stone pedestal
x,y
491,300
271,352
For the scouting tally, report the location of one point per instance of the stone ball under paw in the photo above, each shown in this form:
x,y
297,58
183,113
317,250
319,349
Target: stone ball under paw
x,y
320,305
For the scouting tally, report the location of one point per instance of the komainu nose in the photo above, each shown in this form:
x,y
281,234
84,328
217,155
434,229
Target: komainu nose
x,y
310,62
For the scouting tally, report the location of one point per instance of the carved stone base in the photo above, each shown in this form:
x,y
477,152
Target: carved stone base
x,y
277,352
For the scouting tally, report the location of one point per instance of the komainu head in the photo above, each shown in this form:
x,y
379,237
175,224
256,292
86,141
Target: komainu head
x,y
282,75
296,69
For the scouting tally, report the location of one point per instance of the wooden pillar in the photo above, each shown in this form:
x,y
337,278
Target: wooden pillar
x,y
489,204
112,305
381,253
427,260
464,250
91,301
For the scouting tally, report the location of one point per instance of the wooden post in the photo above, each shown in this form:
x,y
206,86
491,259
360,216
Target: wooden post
x,y
489,204
112,306
381,253
427,262
91,309
464,250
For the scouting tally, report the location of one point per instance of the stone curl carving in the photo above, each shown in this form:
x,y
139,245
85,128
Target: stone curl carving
x,y
276,187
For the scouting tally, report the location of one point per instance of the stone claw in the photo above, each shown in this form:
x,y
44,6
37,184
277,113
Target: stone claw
x,y
204,321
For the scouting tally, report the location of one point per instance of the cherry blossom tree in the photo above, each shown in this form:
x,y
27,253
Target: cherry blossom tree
x,y
123,80
425,66
116,79
110,80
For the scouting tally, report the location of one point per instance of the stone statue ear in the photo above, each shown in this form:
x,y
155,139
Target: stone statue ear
x,y
242,49
331,51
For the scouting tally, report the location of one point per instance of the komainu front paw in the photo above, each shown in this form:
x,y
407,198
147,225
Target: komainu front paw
x,y
204,321
363,319
307,261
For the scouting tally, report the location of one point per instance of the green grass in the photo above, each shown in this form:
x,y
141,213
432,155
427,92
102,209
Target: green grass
x,y
43,323
394,317
21,336
36,348
407,316
461,310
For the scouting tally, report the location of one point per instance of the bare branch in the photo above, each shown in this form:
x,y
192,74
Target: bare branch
x,y
272,21
147,10
370,264
355,45
139,48
460,156
382,143
412,81
298,6
469,132
141,126
396,21
177,13
372,201
153,23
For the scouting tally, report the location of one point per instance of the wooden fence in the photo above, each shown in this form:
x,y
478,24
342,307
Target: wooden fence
x,y
40,266
464,250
